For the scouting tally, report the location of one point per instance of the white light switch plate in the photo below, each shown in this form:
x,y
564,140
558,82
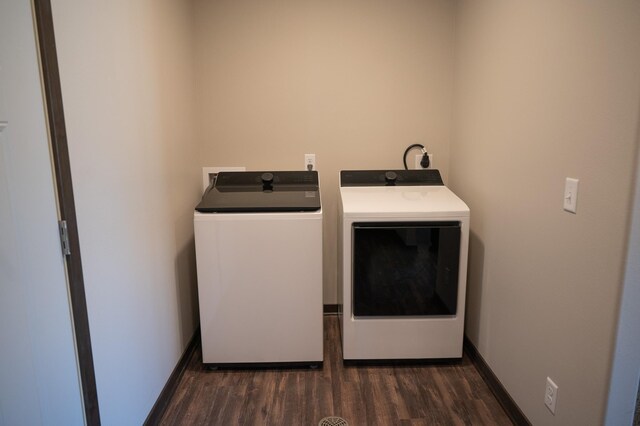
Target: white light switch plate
x,y
571,194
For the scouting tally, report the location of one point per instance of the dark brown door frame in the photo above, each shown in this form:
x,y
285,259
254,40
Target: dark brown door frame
x,y
58,140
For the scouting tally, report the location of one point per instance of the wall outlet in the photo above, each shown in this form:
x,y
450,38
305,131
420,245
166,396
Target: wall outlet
x,y
551,395
419,158
310,162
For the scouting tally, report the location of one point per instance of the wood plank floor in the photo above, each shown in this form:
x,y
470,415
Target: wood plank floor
x,y
437,394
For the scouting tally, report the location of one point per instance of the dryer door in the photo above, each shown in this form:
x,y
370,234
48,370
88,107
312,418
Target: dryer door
x,y
405,269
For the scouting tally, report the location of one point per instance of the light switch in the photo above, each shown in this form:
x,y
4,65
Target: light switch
x,y
571,194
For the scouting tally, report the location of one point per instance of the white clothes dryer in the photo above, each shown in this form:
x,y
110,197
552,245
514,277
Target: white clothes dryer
x,y
258,242
402,266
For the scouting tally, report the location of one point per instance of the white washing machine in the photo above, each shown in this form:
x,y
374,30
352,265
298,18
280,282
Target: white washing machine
x,y
402,266
258,242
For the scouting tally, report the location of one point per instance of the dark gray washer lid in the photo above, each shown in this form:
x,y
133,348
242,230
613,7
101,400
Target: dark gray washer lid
x,y
262,191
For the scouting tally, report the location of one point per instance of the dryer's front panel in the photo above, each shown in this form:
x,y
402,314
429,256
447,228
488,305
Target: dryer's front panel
x,y
403,287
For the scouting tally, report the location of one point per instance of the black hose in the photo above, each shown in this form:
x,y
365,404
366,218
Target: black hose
x,y
409,148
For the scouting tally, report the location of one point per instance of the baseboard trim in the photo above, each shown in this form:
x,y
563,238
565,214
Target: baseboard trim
x,y
171,386
508,404
330,309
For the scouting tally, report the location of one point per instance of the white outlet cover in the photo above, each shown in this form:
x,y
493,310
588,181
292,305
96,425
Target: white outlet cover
x,y
551,395
418,159
310,159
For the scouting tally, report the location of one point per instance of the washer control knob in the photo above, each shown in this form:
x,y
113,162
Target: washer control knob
x,y
267,177
390,177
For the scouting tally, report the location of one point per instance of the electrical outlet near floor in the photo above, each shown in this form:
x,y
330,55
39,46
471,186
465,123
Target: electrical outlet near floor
x,y
551,395
419,158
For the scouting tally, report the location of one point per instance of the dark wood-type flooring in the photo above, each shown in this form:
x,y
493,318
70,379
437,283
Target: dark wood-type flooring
x,y
436,394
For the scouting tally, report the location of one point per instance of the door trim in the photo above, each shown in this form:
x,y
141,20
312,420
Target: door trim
x,y
62,168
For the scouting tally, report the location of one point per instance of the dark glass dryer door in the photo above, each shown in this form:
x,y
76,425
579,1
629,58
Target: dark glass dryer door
x,y
405,268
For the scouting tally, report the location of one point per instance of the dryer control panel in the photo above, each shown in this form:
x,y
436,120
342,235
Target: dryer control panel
x,y
427,177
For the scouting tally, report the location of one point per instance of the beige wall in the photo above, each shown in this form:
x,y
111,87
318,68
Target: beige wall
x,y
353,82
547,90
127,88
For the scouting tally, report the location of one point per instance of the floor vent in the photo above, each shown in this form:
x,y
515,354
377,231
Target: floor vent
x,y
333,421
